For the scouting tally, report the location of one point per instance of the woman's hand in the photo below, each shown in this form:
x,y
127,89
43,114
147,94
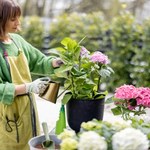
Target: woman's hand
x,y
37,86
57,62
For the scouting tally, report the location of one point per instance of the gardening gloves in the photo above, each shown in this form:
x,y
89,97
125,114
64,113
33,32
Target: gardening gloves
x,y
37,86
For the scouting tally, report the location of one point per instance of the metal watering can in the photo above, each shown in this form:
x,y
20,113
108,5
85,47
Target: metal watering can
x,y
51,92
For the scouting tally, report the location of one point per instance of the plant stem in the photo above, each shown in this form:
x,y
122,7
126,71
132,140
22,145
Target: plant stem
x,y
98,84
79,62
73,86
99,80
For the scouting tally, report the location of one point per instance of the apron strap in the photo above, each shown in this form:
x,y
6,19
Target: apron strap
x,y
15,43
5,55
33,116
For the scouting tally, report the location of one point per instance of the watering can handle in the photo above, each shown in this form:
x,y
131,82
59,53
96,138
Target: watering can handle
x,y
45,129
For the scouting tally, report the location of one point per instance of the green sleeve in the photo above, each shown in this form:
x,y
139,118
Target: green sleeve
x,y
39,63
7,91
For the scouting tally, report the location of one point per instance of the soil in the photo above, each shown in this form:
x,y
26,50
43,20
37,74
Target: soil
x,y
40,147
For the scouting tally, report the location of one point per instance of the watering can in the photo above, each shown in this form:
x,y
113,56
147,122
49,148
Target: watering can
x,y
51,92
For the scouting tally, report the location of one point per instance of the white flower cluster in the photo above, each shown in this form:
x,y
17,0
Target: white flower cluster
x,y
97,135
66,134
69,144
89,125
122,124
68,141
92,141
144,117
130,139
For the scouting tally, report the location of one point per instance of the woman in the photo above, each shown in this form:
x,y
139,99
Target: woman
x,y
18,114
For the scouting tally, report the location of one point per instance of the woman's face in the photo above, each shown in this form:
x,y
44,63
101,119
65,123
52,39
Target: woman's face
x,y
12,25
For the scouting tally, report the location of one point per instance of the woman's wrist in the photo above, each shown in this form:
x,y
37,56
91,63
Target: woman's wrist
x,y
20,89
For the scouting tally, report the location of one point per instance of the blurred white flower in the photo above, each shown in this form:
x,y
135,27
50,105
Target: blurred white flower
x,y
144,117
90,125
69,144
92,141
130,139
119,125
66,134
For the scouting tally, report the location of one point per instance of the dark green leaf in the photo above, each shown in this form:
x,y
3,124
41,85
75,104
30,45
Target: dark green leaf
x,y
116,111
109,100
66,98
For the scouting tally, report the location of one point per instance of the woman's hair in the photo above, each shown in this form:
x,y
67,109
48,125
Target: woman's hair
x,y
8,9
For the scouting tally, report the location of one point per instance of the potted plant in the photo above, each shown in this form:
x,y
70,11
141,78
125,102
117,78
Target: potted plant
x,y
83,73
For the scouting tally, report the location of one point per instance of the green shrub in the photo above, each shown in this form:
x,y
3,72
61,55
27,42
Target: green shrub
x,y
77,26
141,69
33,30
125,33
126,42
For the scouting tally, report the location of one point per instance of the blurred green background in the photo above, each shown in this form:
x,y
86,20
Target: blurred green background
x,y
120,29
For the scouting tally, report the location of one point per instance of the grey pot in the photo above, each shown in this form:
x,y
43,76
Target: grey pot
x,y
39,139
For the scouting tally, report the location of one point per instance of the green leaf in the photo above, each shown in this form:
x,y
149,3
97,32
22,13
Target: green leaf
x,y
110,69
105,72
64,68
109,100
82,40
116,111
65,41
69,43
54,52
66,98
77,73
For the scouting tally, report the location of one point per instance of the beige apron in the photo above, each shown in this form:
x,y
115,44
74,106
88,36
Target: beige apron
x,y
16,120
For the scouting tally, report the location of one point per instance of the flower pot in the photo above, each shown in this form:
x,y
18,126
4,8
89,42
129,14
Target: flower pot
x,y
79,111
36,142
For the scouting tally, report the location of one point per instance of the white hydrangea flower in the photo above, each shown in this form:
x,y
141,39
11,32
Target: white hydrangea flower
x,y
120,125
91,141
66,134
144,117
69,144
130,139
90,125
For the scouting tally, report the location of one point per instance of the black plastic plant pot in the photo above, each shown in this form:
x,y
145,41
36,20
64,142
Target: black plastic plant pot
x,y
79,111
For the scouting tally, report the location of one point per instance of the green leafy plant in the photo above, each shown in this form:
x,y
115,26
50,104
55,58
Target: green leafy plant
x,y
82,70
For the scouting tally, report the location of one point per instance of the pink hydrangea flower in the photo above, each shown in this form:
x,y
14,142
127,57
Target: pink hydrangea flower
x,y
143,97
132,98
126,92
84,52
99,57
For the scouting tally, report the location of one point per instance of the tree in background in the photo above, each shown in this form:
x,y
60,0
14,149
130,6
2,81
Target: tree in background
x,y
52,8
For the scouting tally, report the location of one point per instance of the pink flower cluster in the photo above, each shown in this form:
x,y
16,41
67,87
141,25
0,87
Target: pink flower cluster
x,y
129,92
84,52
99,57
126,92
143,97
